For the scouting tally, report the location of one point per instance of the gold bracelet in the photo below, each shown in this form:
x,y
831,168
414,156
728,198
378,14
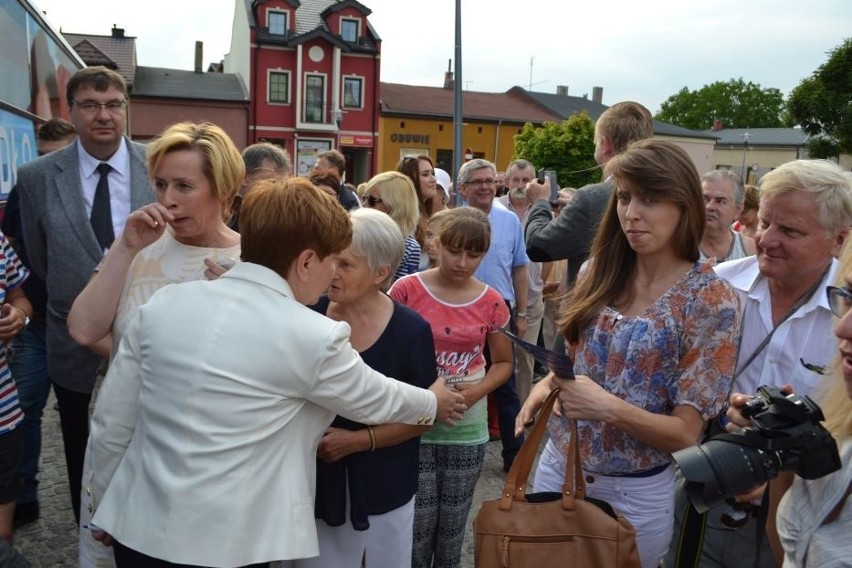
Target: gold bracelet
x,y
372,438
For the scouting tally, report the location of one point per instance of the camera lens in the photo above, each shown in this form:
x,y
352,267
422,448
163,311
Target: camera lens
x,y
717,470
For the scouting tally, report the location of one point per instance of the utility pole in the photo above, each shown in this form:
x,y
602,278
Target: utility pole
x,y
457,107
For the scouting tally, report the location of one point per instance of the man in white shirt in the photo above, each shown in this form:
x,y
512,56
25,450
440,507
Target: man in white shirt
x,y
804,216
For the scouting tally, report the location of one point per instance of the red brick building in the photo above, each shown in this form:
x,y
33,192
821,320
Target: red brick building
x,y
311,68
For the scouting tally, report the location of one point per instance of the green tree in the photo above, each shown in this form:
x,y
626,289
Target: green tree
x,y
736,103
822,105
568,147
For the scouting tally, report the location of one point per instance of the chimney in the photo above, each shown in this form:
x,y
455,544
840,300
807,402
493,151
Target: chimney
x,y
199,55
562,90
449,82
117,32
717,125
597,94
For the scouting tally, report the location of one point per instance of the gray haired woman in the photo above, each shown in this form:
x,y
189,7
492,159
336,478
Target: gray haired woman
x,y
371,472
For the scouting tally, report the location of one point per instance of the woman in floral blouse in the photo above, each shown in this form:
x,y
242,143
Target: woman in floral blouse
x,y
653,334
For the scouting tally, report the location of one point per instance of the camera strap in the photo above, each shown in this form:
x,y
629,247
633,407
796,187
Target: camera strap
x,y
803,299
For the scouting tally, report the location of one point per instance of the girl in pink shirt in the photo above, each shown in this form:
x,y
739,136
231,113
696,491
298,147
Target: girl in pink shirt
x,y
463,313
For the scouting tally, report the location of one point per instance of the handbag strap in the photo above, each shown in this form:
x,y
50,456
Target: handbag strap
x,y
516,479
515,487
575,485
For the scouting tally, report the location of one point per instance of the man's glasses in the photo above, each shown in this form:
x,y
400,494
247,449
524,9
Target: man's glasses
x,y
839,300
91,107
372,200
480,182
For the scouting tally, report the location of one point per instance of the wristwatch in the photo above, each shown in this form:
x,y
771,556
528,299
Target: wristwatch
x,y
520,314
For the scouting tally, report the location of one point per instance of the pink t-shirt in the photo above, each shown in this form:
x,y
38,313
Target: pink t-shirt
x,y
459,332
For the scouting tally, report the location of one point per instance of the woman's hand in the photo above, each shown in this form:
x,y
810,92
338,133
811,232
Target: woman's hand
x,y
102,536
451,406
215,269
145,225
584,399
534,402
471,395
337,443
13,320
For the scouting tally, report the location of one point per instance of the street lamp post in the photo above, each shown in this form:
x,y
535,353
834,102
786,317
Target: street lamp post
x,y
745,148
457,106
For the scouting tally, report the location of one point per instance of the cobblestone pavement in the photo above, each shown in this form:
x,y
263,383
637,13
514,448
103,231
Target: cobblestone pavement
x,y
51,542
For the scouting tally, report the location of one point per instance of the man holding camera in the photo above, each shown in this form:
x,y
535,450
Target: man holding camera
x,y
805,213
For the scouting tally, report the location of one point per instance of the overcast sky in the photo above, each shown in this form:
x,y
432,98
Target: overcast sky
x,y
642,51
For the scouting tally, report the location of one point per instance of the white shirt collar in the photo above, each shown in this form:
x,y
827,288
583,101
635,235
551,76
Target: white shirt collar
x,y
120,161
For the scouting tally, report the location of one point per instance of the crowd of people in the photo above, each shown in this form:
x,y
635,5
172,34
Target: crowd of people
x,y
300,372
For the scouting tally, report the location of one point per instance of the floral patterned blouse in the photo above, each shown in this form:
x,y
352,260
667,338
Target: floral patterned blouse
x,y
681,351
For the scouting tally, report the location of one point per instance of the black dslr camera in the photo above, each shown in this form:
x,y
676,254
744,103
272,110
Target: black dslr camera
x,y
786,435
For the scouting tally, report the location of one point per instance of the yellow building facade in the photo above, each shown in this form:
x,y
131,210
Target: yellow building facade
x,y
402,136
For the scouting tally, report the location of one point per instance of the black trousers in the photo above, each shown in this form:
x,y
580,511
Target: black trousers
x,y
128,558
508,406
74,421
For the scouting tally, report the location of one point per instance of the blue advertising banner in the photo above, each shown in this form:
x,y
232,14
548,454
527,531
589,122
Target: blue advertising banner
x,y
17,147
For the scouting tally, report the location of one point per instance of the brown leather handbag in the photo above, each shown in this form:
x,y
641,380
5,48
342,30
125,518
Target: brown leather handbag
x,y
548,529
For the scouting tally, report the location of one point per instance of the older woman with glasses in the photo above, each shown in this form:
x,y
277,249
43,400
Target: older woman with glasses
x,y
371,472
393,193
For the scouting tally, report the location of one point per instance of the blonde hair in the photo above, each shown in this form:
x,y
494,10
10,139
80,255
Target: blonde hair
x,y
223,165
397,191
831,393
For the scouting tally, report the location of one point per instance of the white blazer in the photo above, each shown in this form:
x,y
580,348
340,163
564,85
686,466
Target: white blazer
x,y
205,432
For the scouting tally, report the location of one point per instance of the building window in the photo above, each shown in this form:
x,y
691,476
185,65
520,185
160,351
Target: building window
x,y
353,92
277,22
349,30
314,98
279,87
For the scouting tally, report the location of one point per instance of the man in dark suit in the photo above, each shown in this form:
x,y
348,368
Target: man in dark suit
x,y
570,234
72,207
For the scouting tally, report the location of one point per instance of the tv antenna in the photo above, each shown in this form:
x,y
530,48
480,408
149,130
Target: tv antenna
x,y
530,85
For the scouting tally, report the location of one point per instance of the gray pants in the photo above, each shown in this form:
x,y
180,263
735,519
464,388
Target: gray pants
x,y
723,547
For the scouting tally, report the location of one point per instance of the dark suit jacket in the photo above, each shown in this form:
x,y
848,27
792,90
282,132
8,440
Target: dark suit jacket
x,y
63,249
569,235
